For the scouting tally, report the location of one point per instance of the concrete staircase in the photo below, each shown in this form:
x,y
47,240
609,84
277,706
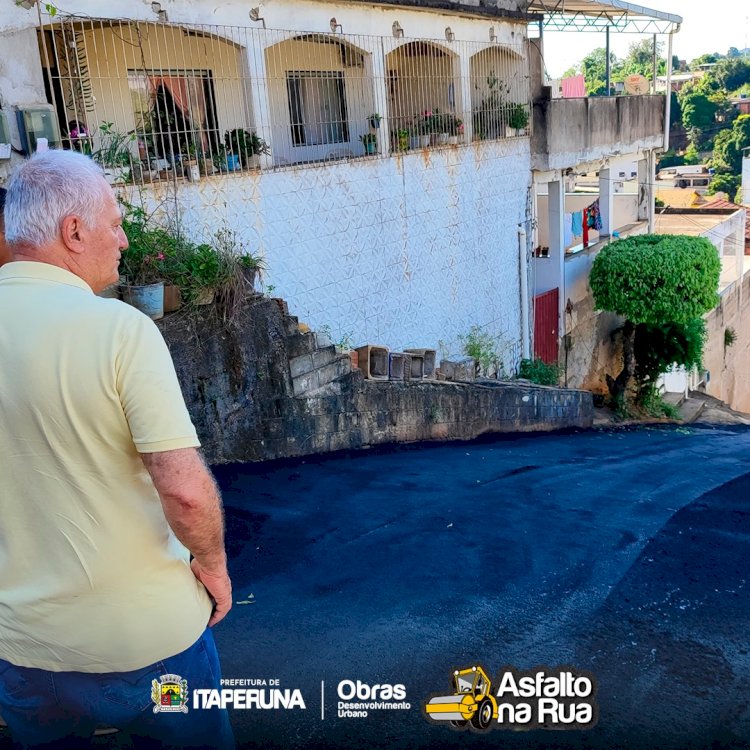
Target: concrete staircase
x,y
313,362
689,406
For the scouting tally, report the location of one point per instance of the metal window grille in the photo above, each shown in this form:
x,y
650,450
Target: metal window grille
x,y
155,101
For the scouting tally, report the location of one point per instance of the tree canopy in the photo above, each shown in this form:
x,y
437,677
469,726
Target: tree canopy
x,y
656,279
662,284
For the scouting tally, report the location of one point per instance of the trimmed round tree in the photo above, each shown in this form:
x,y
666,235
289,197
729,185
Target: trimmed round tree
x,y
654,279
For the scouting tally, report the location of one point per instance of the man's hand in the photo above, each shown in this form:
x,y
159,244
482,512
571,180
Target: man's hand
x,y
193,509
219,588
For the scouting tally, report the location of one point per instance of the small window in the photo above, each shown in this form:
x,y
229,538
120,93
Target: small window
x,y
317,104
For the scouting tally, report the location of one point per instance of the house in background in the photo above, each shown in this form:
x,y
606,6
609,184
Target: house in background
x,y
616,138
388,184
385,160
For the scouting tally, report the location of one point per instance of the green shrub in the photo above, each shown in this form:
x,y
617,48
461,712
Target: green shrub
x,y
662,284
482,347
658,348
538,371
657,278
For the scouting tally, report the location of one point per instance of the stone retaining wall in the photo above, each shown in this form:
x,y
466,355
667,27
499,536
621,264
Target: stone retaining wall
x,y
241,395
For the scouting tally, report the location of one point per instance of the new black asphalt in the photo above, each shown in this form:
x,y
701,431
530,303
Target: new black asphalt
x,y
620,552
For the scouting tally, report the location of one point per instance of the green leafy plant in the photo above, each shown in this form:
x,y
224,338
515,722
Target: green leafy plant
x,y
151,251
368,138
423,123
489,117
657,281
658,348
245,144
518,116
198,270
538,371
374,120
730,337
345,343
114,150
238,260
481,346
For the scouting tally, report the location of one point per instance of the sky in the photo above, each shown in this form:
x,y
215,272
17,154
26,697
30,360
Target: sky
x,y
706,27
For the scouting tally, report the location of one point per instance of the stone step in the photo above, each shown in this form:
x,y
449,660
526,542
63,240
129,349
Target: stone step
x,y
291,324
690,409
320,377
314,360
299,344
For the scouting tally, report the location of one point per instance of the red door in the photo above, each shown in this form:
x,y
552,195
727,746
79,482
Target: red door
x,y
546,307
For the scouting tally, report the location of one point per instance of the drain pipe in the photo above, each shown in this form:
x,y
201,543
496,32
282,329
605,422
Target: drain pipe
x,y
523,262
668,103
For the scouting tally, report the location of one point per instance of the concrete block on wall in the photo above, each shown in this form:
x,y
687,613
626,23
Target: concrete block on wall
x,y
416,370
373,361
429,357
458,369
396,361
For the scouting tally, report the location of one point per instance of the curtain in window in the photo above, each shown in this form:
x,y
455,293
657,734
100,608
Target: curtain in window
x,y
317,108
189,97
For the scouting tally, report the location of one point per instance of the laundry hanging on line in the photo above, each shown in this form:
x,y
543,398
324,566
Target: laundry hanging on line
x,y
567,231
594,216
576,223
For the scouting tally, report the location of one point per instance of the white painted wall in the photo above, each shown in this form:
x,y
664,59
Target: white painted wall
x,y
745,181
409,251
20,80
404,252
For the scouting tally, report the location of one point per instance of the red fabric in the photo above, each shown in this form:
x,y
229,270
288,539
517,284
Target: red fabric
x,y
585,227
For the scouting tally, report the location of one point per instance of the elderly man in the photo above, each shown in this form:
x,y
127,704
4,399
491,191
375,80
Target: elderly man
x,y
103,495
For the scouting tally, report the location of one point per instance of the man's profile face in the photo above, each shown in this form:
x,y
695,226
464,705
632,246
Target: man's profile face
x,y
105,241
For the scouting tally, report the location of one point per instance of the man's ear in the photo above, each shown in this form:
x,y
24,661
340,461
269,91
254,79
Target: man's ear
x,y
71,230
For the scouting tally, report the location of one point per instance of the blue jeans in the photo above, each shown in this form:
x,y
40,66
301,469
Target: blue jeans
x,y
61,709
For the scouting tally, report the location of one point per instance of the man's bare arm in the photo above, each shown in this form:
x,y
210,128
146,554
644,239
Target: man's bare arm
x,y
192,506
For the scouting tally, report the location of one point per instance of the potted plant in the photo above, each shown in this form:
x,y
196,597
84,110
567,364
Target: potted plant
x,y
439,128
370,142
489,118
198,273
113,154
518,119
238,261
246,146
374,120
455,129
422,128
143,264
403,139
206,164
189,162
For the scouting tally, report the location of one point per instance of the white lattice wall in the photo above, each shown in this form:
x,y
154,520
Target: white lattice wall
x,y
409,251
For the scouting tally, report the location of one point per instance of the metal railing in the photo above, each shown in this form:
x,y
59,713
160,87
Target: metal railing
x,y
153,101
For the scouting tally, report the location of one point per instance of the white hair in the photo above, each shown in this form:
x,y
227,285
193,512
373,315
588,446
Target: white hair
x,y
45,189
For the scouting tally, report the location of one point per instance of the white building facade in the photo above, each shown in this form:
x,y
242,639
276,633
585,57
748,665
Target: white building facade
x,y
391,199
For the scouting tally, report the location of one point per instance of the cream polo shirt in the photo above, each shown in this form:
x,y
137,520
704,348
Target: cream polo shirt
x,y
92,579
